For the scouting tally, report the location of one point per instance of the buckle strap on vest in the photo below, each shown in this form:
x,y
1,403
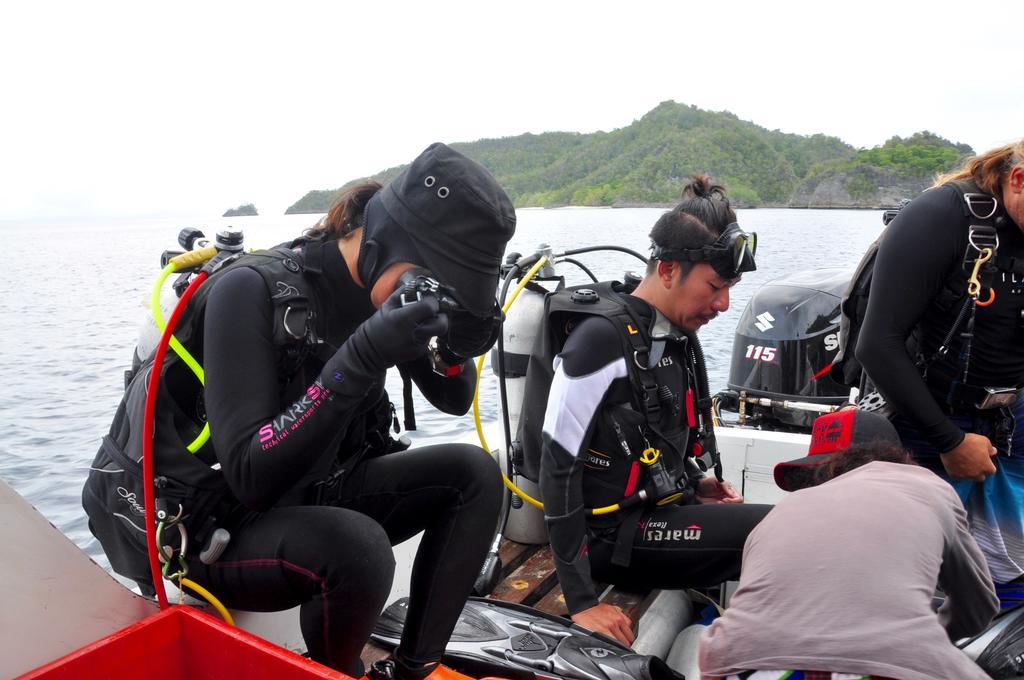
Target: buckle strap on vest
x,y
408,408
642,354
980,206
313,255
981,236
624,537
1009,264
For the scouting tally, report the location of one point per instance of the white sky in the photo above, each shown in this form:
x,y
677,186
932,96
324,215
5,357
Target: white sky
x,y
189,108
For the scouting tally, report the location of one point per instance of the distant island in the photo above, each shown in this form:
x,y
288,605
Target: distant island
x,y
647,162
246,210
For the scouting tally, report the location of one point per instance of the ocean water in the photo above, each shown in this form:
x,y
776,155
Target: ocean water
x,y
76,294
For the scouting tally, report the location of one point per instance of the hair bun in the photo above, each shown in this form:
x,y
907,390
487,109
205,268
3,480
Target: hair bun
x,y
701,186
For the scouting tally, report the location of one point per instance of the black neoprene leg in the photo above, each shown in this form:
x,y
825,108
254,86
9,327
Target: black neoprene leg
x,y
452,492
680,546
336,563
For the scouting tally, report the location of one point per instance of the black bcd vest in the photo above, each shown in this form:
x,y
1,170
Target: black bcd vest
x,y
846,369
563,311
113,492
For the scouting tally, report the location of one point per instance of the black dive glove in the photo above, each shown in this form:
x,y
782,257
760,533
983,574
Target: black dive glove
x,y
394,335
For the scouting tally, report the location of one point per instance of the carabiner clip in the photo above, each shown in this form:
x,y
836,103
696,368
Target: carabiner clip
x,y
973,283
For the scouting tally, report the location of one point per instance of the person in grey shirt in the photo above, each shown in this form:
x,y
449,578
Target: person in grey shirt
x,y
840,577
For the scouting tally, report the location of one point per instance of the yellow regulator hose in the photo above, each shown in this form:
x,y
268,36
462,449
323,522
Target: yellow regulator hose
x,y
208,596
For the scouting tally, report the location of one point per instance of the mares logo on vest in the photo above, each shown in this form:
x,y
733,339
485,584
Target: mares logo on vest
x,y
598,460
280,427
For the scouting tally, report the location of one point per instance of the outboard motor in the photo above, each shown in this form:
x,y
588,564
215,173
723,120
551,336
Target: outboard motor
x,y
782,351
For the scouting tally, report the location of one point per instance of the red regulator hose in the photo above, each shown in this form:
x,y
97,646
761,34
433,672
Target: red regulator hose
x,y
148,429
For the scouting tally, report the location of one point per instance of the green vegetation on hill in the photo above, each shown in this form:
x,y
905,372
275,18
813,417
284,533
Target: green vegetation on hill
x,y
244,210
900,168
648,161
920,154
315,201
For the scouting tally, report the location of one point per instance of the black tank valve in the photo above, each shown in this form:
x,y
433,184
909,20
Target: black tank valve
x,y
584,296
230,239
188,236
509,263
630,280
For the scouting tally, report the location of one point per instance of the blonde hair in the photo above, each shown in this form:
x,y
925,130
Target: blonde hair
x,y
988,170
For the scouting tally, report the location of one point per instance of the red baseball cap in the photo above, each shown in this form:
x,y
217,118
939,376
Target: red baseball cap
x,y
834,432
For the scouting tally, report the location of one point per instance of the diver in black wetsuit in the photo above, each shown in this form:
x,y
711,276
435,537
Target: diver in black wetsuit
x,y
919,286
300,430
594,436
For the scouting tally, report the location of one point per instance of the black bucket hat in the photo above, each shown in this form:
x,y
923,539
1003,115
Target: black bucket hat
x,y
456,216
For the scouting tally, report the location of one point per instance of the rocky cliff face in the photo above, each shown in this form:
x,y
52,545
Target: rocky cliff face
x,y
861,187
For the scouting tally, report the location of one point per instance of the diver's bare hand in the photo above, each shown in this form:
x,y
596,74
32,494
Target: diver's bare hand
x,y
607,619
971,459
710,490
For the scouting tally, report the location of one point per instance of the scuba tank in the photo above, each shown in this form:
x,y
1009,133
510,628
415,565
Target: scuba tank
x,y
525,523
229,239
510,361
521,521
149,331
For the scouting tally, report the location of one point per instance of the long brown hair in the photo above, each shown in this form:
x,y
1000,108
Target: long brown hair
x,y
988,170
347,213
862,454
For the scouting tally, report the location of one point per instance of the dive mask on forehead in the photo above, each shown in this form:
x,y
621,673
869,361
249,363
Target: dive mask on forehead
x,y
469,335
730,255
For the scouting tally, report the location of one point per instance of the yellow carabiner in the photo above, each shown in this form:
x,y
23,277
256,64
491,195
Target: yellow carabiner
x,y
650,456
973,283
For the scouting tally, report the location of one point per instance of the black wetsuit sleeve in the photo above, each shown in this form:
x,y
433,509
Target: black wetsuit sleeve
x,y
590,361
918,251
263,450
453,394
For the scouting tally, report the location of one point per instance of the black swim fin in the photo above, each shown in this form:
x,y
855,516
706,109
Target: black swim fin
x,y
1003,657
523,643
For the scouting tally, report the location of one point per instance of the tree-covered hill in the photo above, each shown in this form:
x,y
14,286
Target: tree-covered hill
x,y
244,210
646,163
